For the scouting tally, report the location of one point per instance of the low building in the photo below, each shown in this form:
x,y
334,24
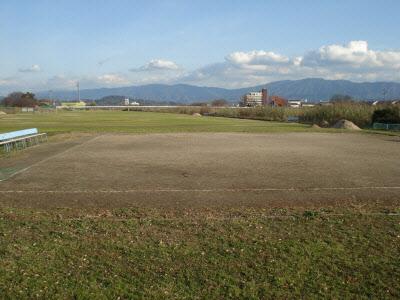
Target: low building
x,y
46,102
384,102
252,99
73,103
300,103
256,98
262,99
295,103
277,101
324,103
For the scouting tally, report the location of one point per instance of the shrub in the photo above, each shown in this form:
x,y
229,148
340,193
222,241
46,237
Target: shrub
x,y
390,115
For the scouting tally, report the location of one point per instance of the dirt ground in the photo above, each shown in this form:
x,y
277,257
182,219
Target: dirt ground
x,y
206,170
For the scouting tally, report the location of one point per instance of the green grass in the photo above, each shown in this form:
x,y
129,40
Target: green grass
x,y
137,122
145,254
146,122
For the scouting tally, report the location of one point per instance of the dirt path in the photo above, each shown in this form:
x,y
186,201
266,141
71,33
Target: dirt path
x,y
208,170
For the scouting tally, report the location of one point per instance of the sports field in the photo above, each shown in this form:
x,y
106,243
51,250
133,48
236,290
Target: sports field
x,y
153,205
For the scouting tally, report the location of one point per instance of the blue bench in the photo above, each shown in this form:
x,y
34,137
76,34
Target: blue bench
x,y
20,139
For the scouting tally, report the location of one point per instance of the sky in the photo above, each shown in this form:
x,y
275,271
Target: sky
x,y
50,45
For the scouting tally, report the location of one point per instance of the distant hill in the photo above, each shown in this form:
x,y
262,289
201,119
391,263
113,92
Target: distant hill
x,y
313,89
320,89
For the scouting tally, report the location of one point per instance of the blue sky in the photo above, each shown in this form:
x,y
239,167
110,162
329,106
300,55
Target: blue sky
x,y
52,44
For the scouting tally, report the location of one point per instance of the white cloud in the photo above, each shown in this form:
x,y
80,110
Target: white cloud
x,y
157,65
61,82
7,81
86,82
354,61
356,54
256,58
113,79
31,69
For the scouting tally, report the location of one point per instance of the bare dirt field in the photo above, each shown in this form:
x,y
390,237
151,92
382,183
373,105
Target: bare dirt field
x,y
206,170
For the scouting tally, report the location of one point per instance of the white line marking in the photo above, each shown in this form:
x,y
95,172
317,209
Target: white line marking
x,y
103,218
305,189
48,158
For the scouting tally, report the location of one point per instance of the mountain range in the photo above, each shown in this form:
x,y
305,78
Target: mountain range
x,y
313,89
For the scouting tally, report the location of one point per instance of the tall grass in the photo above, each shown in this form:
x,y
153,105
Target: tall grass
x,y
358,113
259,113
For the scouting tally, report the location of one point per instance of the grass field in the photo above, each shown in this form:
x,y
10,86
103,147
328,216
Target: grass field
x,y
131,253
146,122
72,225
137,122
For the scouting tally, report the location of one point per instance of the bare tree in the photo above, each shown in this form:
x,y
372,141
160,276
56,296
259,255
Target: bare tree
x,y
219,102
19,99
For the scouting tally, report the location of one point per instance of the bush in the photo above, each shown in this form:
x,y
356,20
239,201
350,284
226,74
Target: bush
x,y
390,115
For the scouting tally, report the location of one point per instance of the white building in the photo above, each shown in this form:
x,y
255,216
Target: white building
x,y
252,99
295,103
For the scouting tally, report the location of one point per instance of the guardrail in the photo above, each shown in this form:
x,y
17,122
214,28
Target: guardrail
x,y
386,126
139,107
20,139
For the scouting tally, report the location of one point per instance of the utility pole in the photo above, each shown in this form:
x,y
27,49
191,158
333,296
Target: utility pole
x,y
384,92
51,98
79,92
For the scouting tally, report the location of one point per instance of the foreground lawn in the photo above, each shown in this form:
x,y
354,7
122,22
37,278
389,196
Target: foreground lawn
x,y
137,122
152,254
